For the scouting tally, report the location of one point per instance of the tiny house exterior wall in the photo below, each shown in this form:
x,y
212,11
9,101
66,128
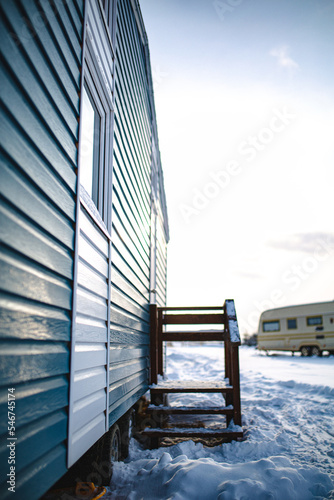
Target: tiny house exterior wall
x,y
298,328
80,261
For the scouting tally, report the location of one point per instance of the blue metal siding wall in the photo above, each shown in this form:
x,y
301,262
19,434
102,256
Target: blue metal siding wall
x,y
130,273
40,80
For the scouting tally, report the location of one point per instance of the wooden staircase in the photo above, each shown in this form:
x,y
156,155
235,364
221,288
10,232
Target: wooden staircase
x,y
159,410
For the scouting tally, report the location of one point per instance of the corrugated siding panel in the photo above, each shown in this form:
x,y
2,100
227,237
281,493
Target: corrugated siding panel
x,y
130,219
89,361
41,56
90,353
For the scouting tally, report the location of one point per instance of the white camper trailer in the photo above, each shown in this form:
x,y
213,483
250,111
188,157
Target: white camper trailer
x,y
306,328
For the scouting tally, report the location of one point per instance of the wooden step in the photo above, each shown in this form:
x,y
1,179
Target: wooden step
x,y
188,410
189,432
176,386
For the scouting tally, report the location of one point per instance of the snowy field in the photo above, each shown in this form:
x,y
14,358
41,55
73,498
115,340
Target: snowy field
x,y
288,419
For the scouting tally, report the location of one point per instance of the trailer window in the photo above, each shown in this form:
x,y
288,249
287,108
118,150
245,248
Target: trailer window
x,y
314,321
292,323
271,326
90,146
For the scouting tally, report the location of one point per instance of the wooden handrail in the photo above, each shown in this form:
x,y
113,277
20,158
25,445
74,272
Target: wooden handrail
x,y
192,319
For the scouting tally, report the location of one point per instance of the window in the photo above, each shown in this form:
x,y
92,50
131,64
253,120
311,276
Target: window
x,y
96,128
314,321
271,326
89,146
291,323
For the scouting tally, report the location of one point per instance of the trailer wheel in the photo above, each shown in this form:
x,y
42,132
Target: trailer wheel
x,y
315,351
115,443
305,351
126,425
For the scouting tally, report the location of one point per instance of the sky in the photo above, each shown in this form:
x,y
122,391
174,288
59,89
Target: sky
x,y
245,111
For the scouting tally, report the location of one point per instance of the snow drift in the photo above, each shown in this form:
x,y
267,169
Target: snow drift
x,y
288,418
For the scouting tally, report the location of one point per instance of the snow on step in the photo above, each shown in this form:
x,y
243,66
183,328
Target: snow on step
x,y
193,432
190,386
188,410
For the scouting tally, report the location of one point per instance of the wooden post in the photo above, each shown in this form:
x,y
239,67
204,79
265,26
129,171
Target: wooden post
x,y
153,344
236,384
227,346
159,342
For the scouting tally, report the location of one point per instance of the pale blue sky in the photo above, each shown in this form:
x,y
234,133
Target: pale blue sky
x,y
245,110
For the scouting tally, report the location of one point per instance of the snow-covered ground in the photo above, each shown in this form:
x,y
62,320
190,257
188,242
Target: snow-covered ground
x,y
288,419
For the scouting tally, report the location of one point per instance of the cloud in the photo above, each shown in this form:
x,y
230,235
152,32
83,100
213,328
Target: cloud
x,y
283,58
249,275
304,242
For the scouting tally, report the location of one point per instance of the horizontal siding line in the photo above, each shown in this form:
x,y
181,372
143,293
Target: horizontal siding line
x,y
26,306
135,44
121,316
126,363
58,34
129,116
88,254
25,391
24,112
49,468
40,42
133,106
115,410
87,409
121,283
133,176
19,194
88,239
123,352
139,235
75,17
33,231
140,388
125,208
118,383
129,302
122,229
143,370
50,430
29,160
136,92
36,59
139,144
27,326
122,334
129,191
133,68
39,270
69,31
26,281
91,281
123,267
84,374
36,400
33,150
89,306
127,255
39,94
128,110
90,227
46,38
29,348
